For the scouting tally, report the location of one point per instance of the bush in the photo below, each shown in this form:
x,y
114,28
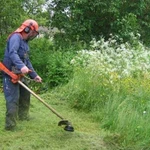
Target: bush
x,y
58,67
40,49
52,64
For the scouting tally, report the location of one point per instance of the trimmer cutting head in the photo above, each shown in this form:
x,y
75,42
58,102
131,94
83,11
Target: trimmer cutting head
x,y
68,126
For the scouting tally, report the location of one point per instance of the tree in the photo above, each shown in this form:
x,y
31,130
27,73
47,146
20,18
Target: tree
x,y
9,18
86,19
36,9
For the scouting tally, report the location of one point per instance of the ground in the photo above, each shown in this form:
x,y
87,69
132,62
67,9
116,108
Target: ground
x,y
42,132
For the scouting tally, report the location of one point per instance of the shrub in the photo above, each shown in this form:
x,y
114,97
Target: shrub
x,y
58,67
52,64
40,49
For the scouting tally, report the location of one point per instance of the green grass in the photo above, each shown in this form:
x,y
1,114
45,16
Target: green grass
x,y
121,107
42,132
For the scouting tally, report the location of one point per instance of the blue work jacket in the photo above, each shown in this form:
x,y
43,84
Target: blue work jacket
x,y
17,54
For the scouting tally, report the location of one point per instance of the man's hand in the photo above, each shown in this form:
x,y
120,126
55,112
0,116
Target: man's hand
x,y
38,79
24,70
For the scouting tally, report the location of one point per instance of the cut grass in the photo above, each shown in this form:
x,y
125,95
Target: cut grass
x,y
43,133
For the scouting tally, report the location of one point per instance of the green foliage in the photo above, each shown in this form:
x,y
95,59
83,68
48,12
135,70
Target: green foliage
x,y
83,19
10,17
126,112
52,65
67,44
121,106
87,91
40,49
124,26
114,87
35,9
59,68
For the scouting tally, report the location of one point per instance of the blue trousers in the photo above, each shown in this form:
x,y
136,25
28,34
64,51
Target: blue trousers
x,y
17,102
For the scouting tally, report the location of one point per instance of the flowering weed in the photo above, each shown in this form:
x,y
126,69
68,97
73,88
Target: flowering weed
x,y
112,82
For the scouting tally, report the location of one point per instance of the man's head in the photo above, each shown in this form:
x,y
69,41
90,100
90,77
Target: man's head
x,y
29,29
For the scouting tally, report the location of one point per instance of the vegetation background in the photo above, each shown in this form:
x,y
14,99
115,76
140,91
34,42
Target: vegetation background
x,y
95,55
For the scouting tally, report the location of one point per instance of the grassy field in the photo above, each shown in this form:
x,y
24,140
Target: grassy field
x,y
42,132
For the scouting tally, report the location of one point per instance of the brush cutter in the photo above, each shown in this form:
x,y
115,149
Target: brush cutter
x,y
16,79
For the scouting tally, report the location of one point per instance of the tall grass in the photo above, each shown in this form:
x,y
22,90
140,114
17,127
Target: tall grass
x,y
112,83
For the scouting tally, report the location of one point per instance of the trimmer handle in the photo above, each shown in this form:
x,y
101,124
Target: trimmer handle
x,y
14,77
17,71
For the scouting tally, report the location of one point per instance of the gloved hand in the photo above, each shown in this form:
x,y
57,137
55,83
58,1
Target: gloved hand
x,y
38,79
24,70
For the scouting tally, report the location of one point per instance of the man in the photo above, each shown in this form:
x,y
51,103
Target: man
x,y
16,57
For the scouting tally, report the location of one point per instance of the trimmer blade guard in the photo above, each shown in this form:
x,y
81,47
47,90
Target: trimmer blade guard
x,y
63,122
68,126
